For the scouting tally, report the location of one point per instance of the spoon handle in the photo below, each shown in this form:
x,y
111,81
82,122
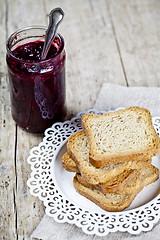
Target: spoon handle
x,y
55,17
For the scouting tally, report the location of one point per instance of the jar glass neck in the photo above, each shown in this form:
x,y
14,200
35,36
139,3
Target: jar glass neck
x,y
32,34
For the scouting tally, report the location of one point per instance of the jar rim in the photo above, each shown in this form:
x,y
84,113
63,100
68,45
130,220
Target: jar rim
x,y
29,61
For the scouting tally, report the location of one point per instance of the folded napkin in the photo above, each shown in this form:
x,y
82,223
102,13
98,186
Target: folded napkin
x,y
111,97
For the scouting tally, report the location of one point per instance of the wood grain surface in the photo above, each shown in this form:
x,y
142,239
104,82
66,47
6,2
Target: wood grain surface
x,y
105,41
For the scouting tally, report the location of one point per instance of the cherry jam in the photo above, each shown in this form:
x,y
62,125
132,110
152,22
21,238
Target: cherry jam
x,y
32,51
37,88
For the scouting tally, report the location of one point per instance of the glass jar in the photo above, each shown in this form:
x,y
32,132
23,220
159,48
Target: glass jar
x,y
37,87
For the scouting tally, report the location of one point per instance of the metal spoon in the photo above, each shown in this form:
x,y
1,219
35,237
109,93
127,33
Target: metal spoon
x,y
55,17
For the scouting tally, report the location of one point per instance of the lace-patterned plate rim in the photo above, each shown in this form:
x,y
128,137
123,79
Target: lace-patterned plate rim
x,y
43,184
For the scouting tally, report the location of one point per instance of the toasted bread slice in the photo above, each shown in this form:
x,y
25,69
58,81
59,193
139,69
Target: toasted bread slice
x,y
68,163
78,150
144,175
116,184
125,183
120,136
115,202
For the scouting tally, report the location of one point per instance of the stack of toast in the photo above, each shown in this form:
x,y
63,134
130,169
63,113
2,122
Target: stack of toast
x,y
112,157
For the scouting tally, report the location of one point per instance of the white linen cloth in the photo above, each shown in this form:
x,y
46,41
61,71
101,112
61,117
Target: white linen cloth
x,y
110,97
113,96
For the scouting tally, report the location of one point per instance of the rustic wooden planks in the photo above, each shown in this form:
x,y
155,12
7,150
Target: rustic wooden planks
x,y
92,56
27,210
7,143
136,25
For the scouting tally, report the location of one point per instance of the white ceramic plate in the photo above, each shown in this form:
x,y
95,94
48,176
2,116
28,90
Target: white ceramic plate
x,y
53,185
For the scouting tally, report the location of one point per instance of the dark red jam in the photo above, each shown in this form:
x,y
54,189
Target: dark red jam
x,y
32,51
37,88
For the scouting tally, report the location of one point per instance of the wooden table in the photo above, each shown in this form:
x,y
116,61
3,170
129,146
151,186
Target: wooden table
x,y
106,41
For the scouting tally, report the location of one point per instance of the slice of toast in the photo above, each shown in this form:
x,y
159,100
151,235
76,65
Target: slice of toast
x,y
114,202
116,184
78,150
144,175
68,163
120,136
125,183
